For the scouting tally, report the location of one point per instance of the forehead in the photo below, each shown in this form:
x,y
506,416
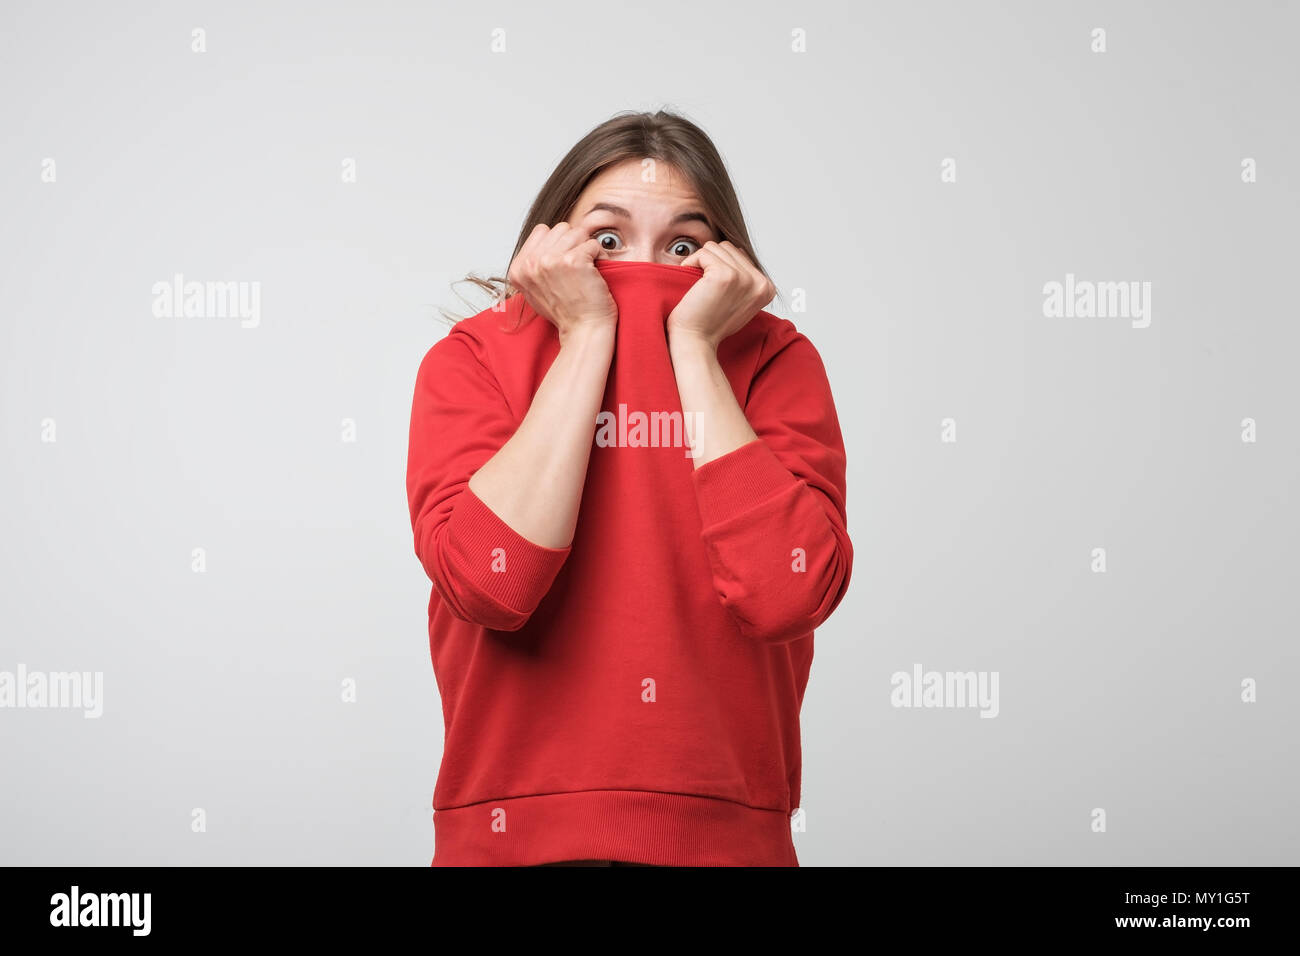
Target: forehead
x,y
635,181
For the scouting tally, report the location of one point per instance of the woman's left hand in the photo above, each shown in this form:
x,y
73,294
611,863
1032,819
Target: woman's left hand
x,y
729,294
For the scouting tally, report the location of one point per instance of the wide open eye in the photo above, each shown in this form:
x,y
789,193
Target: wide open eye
x,y
684,247
609,240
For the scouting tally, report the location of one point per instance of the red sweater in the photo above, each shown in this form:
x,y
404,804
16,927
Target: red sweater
x,y
636,695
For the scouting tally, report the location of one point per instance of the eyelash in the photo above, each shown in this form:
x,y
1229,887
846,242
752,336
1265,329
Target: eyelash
x,y
688,239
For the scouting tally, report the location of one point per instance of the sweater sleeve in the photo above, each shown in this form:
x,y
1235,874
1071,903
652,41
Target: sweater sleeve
x,y
485,572
773,510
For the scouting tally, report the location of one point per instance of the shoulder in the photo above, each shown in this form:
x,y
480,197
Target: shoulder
x,y
485,338
773,336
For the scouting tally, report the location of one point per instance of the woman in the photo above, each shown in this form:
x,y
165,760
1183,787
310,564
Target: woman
x,y
626,484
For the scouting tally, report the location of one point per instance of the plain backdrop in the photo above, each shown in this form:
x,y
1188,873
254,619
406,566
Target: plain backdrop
x,y
1119,691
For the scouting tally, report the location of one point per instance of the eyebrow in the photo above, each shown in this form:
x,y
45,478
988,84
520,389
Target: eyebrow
x,y
691,216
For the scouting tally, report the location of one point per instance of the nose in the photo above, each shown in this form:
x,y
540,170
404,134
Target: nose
x,y
638,253
647,254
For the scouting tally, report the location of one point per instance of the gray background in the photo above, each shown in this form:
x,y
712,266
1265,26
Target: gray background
x,y
222,690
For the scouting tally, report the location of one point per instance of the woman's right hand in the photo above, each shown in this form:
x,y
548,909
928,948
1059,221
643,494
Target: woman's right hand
x,y
534,481
556,272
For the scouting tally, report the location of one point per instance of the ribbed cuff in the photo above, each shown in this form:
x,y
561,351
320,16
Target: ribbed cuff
x,y
738,481
506,567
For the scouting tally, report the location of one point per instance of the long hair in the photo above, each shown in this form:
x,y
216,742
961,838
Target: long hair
x,y
662,136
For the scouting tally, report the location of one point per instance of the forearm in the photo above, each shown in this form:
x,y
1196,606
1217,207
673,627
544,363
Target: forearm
x,y
771,509
707,399
534,482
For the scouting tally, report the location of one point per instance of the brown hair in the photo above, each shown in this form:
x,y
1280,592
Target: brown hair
x,y
662,136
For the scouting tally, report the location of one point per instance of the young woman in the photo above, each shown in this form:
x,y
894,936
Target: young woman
x,y
626,484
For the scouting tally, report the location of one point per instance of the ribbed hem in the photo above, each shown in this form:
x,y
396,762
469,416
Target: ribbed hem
x,y
474,533
738,481
636,826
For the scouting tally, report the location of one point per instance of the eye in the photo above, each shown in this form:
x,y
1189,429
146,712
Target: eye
x,y
609,240
684,247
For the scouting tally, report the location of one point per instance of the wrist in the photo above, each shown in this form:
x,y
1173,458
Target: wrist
x,y
588,336
688,344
